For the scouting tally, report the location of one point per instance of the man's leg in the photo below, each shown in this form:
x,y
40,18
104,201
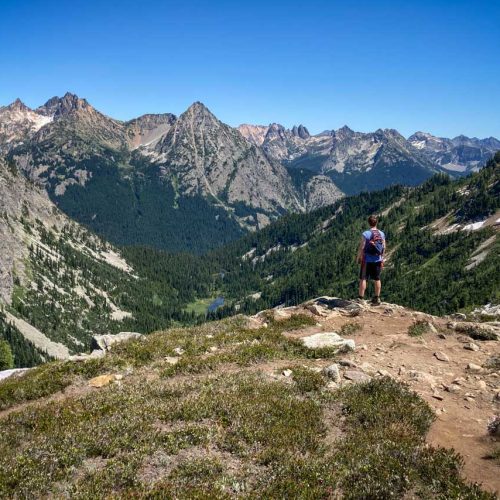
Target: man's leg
x,y
362,288
377,268
362,281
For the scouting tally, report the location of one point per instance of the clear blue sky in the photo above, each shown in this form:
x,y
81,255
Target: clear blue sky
x,y
404,64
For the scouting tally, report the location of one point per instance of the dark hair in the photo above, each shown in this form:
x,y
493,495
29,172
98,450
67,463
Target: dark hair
x,y
372,220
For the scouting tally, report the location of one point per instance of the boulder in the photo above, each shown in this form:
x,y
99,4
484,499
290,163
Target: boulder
x,y
329,339
104,342
96,353
477,331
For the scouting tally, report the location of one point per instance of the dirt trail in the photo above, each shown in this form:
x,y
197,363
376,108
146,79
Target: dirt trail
x,y
383,343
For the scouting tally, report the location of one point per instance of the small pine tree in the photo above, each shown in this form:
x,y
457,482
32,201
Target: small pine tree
x,y
6,358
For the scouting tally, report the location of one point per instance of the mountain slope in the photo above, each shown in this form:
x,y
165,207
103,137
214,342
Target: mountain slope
x,y
353,160
213,159
60,284
461,154
186,183
443,232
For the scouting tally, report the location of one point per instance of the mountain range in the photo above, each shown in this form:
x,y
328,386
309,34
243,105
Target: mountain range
x,y
140,181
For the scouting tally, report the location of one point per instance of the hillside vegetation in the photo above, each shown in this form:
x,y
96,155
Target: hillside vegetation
x,y
206,412
433,261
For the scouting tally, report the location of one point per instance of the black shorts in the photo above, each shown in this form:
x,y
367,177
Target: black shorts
x,y
370,271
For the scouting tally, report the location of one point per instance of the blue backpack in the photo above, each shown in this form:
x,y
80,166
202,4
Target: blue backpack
x,y
375,245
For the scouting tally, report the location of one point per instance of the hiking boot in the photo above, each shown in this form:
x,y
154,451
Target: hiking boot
x,y
376,301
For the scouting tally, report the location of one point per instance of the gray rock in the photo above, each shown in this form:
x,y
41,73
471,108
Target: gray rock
x,y
104,342
441,356
357,377
471,346
328,339
453,388
332,372
474,368
348,363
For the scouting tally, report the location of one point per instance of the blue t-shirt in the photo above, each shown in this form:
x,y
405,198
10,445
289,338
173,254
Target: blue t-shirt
x,y
368,256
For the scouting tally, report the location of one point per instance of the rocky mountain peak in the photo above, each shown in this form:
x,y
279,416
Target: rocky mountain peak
x,y
301,132
276,130
199,109
61,106
343,132
18,105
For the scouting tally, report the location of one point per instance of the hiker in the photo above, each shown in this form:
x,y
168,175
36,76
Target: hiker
x,y
371,258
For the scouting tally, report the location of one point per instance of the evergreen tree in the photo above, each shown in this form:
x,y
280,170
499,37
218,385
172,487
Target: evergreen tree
x,y
6,358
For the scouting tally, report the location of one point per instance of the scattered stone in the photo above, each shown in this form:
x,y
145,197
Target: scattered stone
x,y
453,388
213,349
104,342
210,336
442,336
287,373
441,356
470,346
463,339
460,316
348,363
437,395
421,376
459,381
332,372
402,370
329,339
357,377
171,360
384,373
179,351
118,376
101,380
474,368
482,385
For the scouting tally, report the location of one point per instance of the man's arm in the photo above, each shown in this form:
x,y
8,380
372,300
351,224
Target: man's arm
x,y
359,257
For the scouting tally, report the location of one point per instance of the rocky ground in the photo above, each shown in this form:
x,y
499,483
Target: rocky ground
x,y
292,400
446,367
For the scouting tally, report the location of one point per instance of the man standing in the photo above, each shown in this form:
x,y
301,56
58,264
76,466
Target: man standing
x,y
371,257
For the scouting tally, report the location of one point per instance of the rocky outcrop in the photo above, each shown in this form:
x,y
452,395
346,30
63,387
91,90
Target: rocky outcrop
x,y
105,342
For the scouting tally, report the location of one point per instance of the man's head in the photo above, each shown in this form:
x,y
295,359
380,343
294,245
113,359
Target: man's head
x,y
372,220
